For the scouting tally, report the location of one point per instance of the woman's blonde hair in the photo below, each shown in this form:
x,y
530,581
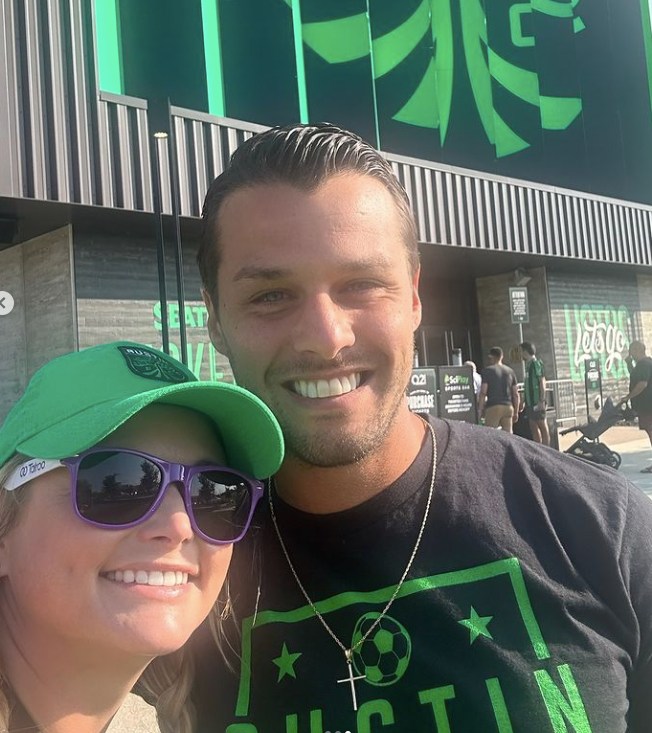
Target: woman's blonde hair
x,y
10,502
165,683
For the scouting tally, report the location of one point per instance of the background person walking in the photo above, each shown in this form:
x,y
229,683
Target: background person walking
x,y
534,394
477,379
640,388
498,397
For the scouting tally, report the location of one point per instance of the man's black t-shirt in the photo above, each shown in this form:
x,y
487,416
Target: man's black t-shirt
x,y
642,372
528,608
500,379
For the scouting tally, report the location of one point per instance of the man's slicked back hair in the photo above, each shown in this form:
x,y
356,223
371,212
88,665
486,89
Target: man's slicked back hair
x,y
304,156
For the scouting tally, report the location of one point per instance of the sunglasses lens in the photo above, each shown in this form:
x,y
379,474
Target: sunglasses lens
x,y
221,503
116,488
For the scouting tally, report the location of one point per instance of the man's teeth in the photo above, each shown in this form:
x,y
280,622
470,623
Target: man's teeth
x,y
327,387
153,577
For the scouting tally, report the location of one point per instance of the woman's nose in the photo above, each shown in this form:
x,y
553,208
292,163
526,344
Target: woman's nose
x,y
170,521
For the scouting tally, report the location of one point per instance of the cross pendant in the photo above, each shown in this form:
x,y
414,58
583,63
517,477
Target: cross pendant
x,y
351,679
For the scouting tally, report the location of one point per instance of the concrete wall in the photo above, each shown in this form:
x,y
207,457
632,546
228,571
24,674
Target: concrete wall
x,y
118,298
497,329
644,283
39,275
13,347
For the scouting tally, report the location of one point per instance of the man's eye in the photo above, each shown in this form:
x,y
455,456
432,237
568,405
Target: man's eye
x,y
360,286
272,296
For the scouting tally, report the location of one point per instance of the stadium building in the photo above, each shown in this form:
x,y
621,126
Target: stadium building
x,y
522,131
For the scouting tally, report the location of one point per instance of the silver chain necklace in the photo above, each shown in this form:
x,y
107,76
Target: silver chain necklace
x,y
348,651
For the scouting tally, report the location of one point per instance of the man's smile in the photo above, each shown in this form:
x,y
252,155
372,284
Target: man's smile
x,y
320,388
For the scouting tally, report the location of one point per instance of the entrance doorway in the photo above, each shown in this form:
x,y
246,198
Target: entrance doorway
x,y
435,345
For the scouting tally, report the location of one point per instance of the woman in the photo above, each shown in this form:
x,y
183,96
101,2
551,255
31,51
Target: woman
x,y
117,518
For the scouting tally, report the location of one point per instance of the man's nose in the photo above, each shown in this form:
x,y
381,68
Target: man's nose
x,y
323,327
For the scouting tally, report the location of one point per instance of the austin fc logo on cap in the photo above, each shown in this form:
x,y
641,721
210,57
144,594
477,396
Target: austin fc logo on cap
x,y
152,364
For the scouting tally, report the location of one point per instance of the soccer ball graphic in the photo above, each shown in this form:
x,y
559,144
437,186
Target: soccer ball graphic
x,y
384,656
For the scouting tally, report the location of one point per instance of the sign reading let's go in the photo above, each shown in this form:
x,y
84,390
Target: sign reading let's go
x,y
599,332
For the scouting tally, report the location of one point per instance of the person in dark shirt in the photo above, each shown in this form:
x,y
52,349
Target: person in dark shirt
x,y
640,388
406,574
498,398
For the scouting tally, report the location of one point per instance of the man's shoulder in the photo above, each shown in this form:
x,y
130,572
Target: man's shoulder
x,y
511,459
642,370
507,370
490,370
534,368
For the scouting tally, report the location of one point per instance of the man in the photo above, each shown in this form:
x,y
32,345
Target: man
x,y
534,394
498,398
477,379
640,388
408,575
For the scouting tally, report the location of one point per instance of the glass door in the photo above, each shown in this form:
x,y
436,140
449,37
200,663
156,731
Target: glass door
x,y
435,345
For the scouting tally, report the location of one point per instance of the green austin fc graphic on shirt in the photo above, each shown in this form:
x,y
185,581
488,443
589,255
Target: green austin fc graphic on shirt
x,y
489,622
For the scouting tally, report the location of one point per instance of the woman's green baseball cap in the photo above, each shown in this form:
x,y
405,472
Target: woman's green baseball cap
x,y
74,401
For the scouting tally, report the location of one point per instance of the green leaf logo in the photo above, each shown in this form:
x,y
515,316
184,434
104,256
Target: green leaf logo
x,y
428,103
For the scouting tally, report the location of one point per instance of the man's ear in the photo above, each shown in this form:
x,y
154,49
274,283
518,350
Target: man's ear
x,y
213,325
416,300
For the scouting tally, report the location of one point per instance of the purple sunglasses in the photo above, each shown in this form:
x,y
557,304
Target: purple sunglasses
x,y
116,488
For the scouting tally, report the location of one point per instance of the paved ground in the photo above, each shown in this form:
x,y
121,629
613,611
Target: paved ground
x,y
634,448
630,442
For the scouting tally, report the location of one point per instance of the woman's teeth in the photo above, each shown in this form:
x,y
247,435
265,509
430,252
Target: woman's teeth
x,y
152,577
327,387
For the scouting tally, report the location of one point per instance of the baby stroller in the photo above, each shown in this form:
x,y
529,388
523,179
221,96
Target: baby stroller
x,y
588,446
